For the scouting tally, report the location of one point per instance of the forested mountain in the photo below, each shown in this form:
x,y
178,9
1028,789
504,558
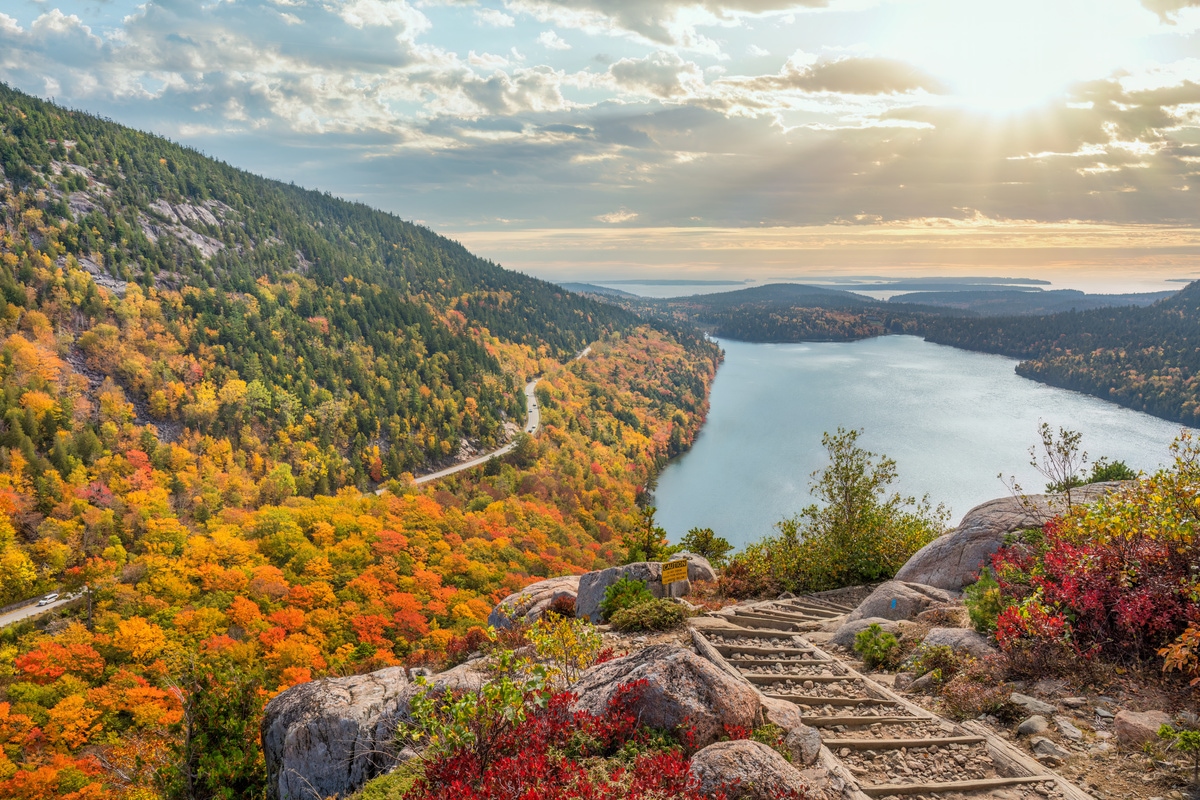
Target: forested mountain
x,y
996,301
1144,358
258,308
201,369
782,312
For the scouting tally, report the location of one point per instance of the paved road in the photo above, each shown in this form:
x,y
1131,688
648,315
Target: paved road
x,y
32,610
532,422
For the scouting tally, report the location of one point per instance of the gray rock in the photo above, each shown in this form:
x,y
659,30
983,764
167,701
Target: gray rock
x,y
960,639
1068,729
1136,728
1035,724
530,603
593,584
903,680
325,738
1074,702
1046,749
744,770
952,561
922,684
680,686
898,600
1032,704
1104,713
844,635
698,567
803,742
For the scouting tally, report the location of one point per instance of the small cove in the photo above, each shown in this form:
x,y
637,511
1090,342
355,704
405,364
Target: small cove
x,y
951,419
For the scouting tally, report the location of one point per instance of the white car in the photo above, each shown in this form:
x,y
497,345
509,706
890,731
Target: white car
x,y
48,599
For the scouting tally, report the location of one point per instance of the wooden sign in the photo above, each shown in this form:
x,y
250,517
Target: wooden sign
x,y
674,571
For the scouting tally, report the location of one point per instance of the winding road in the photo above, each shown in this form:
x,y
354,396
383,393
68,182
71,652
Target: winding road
x,y
532,421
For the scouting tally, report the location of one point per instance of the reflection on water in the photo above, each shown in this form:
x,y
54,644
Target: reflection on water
x,y
951,419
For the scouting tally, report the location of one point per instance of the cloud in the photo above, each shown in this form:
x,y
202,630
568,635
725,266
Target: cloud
x,y
660,22
755,50
494,18
663,75
614,217
552,41
1167,9
853,75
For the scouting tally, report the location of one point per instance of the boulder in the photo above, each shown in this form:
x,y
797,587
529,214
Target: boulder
x,y
844,635
530,603
960,640
680,687
325,738
898,600
698,567
593,584
1031,704
1136,728
1068,728
1047,750
1035,724
744,770
952,561
803,742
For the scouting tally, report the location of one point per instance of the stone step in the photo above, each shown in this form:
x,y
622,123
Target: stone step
x,y
896,744
762,621
782,615
986,784
728,649
808,700
851,720
779,676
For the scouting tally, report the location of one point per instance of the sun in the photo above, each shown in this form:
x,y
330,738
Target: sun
x,y
1019,53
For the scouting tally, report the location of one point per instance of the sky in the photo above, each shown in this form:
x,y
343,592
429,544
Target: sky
x,y
764,139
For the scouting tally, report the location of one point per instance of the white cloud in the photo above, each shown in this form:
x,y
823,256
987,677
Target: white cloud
x,y
755,50
552,41
494,18
614,217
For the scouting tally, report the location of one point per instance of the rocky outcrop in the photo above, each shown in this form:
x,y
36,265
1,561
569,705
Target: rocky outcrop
x,y
959,640
698,567
952,561
1136,728
530,603
898,600
803,742
744,770
680,686
327,738
593,584
844,636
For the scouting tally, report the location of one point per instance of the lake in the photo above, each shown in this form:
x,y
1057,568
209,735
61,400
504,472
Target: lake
x,y
951,419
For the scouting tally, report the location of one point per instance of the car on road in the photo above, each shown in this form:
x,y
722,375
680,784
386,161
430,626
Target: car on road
x,y
48,599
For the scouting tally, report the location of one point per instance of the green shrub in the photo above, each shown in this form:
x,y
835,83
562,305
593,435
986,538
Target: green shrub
x,y
941,661
774,737
984,602
625,593
875,646
655,615
396,784
862,534
703,542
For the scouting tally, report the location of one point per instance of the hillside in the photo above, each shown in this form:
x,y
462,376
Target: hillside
x,y
778,312
202,370
256,308
1143,358
996,301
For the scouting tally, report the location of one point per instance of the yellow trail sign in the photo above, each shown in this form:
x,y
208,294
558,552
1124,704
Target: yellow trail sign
x,y
674,571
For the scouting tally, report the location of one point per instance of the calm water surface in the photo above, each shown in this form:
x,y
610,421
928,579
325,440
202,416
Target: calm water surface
x,y
951,419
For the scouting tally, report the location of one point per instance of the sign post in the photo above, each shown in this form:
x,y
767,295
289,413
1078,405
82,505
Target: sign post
x,y
673,571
